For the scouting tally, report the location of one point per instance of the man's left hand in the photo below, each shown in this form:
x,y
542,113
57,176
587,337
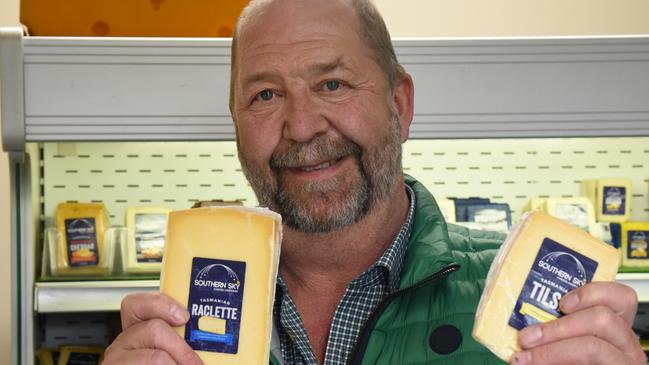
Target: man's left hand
x,y
596,329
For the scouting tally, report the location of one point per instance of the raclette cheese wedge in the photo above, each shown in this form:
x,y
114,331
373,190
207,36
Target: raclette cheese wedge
x,y
541,260
222,263
80,247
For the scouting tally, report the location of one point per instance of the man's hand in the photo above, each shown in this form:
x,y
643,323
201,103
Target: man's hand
x,y
595,330
147,335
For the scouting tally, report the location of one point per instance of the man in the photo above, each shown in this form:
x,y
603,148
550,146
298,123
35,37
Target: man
x,y
369,270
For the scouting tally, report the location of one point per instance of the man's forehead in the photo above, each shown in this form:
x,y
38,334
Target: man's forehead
x,y
276,15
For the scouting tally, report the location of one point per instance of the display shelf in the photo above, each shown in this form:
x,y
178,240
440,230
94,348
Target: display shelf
x,y
639,282
96,296
87,296
120,89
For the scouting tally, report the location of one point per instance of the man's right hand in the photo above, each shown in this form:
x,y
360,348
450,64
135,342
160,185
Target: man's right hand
x,y
147,334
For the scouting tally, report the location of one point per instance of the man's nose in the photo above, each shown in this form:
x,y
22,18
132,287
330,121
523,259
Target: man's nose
x,y
303,117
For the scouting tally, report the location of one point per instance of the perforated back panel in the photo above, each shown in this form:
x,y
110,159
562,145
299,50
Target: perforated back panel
x,y
176,174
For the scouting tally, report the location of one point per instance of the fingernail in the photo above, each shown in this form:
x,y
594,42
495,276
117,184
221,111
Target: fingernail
x,y
178,313
521,358
530,336
569,302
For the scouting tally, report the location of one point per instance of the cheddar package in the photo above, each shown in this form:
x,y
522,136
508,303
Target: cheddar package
x,y
142,251
540,261
611,198
77,355
222,262
77,247
635,244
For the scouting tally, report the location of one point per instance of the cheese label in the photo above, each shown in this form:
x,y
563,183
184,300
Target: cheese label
x,y
82,358
81,240
150,237
638,244
216,291
614,200
555,271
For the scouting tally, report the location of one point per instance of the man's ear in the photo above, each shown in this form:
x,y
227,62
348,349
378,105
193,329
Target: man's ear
x,y
404,100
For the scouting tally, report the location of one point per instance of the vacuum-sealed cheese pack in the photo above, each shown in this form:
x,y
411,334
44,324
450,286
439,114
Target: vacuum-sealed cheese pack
x,y
541,260
222,263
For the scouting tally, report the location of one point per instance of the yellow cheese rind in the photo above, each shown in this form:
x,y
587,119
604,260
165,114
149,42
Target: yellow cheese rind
x,y
129,252
213,325
62,265
239,234
509,272
635,246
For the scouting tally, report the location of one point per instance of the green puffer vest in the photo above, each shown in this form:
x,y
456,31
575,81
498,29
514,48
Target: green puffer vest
x,y
443,276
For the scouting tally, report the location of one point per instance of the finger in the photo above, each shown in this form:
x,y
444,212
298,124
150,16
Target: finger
x,y
600,322
137,357
158,335
622,299
587,350
141,307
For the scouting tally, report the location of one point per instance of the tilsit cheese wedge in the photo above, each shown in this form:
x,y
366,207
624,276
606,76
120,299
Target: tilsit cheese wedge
x,y
576,211
147,229
222,263
611,198
541,260
635,244
80,248
87,355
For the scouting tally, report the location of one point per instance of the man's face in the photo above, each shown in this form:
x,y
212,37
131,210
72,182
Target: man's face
x,y
317,132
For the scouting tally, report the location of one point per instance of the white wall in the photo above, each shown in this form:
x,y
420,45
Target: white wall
x,y
432,18
484,18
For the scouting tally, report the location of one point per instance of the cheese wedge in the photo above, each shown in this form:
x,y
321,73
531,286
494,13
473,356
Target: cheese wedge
x,y
147,228
222,263
80,248
611,198
576,211
48,356
635,244
447,206
541,260
87,355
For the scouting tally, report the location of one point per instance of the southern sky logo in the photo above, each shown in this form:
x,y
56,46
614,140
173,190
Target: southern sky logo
x,y
229,279
560,264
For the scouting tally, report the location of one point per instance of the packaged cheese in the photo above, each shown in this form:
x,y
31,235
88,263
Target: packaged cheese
x,y
491,217
534,204
541,260
147,227
635,244
576,211
48,356
222,262
610,197
81,355
80,248
447,206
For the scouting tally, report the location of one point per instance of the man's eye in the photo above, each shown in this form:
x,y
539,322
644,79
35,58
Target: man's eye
x,y
332,85
266,95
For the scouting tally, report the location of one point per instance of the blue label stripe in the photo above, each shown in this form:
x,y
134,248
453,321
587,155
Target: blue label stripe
x,y
197,335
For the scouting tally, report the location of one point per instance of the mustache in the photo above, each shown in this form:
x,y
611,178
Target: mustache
x,y
319,149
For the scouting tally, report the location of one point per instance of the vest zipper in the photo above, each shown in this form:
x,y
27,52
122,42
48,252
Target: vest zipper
x,y
361,345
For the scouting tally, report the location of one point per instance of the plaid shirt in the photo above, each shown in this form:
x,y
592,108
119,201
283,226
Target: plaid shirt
x,y
363,294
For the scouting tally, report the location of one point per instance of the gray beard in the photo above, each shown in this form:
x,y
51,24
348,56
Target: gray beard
x,y
323,207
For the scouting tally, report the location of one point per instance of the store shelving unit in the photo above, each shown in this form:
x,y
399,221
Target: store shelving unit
x,y
117,89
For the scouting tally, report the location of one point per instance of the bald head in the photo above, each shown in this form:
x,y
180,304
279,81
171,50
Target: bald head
x,y
370,25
